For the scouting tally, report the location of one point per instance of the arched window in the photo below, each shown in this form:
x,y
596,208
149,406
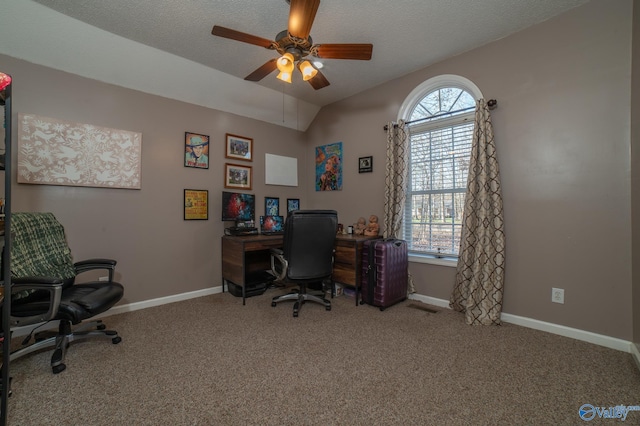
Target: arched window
x,y
440,116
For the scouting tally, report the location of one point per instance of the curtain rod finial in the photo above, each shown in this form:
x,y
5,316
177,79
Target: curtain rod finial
x,y
492,103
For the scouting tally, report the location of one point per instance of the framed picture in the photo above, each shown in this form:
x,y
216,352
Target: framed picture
x,y
365,164
196,150
196,204
293,204
239,147
271,206
237,176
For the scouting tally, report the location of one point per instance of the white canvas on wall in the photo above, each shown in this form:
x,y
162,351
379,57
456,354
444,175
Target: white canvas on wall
x,y
279,170
58,152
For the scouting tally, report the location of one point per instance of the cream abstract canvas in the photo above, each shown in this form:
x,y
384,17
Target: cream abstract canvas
x,y
58,152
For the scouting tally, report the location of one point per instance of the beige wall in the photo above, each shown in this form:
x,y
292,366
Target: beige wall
x,y
562,131
635,174
159,254
563,135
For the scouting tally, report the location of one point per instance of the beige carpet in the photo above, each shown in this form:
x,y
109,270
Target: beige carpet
x,y
212,361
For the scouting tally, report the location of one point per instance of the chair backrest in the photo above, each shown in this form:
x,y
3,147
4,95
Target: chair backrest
x,y
309,238
39,247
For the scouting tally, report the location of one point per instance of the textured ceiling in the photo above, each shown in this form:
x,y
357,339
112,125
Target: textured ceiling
x,y
406,34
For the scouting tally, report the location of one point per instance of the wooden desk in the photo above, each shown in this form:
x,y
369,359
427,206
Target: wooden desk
x,y
347,265
242,255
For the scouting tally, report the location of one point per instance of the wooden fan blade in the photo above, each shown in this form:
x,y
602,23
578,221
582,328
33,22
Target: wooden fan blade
x,y
240,36
319,81
263,71
344,51
301,16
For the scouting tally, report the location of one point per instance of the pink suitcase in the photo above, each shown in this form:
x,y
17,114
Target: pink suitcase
x,y
384,272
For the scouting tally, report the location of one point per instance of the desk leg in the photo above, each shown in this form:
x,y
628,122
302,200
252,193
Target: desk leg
x,y
244,296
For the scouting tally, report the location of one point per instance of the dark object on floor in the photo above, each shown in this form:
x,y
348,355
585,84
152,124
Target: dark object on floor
x,y
254,289
256,283
385,273
307,255
44,288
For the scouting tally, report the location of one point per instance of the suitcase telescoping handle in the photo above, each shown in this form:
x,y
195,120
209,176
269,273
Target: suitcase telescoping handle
x,y
395,241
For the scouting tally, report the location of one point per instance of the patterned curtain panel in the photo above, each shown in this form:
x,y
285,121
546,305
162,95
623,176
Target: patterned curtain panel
x,y
395,182
395,179
480,271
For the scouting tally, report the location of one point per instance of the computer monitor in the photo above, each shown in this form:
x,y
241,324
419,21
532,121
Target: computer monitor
x,y
238,207
271,225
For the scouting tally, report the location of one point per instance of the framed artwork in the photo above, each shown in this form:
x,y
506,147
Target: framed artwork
x,y
365,164
237,176
293,204
329,167
57,152
239,148
196,150
271,206
196,204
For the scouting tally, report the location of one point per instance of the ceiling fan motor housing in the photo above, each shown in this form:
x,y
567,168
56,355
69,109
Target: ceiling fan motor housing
x,y
286,43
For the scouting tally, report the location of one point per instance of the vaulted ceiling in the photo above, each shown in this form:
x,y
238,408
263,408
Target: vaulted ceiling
x,y
407,35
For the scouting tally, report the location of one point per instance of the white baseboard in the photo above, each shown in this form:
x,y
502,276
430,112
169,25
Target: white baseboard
x,y
587,336
120,309
574,333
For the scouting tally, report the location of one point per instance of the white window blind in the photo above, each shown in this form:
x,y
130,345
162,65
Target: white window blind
x,y
439,160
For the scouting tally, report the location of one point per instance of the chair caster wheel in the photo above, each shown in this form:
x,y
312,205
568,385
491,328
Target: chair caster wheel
x,y
116,340
328,308
273,304
100,327
362,302
58,368
295,315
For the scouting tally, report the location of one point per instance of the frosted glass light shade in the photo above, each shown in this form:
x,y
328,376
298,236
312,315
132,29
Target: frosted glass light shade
x,y
307,70
285,76
285,63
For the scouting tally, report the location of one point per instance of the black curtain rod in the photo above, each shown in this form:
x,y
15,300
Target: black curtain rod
x,y
491,103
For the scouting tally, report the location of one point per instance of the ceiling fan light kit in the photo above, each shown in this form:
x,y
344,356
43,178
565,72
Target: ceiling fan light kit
x,y
307,70
285,63
294,44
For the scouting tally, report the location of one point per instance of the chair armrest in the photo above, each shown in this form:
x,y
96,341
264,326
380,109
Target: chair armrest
x,y
279,269
92,264
31,284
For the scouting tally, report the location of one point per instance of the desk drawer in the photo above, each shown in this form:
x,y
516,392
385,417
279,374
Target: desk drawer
x,y
262,245
346,255
344,274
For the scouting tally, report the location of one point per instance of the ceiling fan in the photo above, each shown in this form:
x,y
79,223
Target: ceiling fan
x,y
295,44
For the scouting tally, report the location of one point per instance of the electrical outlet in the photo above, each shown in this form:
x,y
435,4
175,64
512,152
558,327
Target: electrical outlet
x,y
557,295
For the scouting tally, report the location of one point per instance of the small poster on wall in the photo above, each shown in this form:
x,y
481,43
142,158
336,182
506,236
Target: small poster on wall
x,y
329,167
196,204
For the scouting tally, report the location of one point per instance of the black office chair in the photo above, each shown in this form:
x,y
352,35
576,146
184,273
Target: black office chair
x,y
307,255
43,287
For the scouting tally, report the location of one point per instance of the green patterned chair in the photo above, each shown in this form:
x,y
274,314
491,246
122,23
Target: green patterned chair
x,y
44,287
